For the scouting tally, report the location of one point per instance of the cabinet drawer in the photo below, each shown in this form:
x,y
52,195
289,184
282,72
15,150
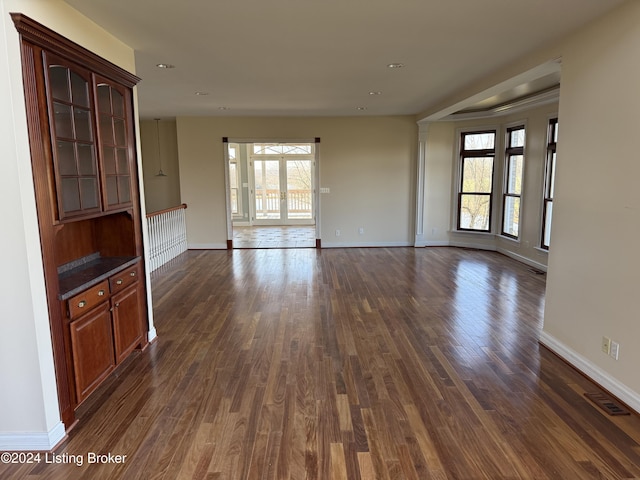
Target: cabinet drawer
x,y
85,301
124,278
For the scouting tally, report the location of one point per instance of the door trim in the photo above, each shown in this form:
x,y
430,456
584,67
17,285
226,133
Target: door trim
x,y
316,190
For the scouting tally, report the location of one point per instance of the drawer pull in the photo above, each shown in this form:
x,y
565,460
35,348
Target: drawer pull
x,y
117,305
119,281
101,293
82,303
133,274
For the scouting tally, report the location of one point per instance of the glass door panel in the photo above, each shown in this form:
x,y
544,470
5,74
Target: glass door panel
x,y
72,133
282,184
267,189
299,193
114,145
62,120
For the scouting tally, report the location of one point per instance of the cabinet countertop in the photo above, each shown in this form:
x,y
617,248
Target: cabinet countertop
x,y
88,274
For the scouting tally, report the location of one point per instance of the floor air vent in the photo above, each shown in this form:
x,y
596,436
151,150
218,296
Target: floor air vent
x,y
607,404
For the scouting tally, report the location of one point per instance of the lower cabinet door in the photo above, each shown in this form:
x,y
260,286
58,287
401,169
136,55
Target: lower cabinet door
x,y
127,326
92,349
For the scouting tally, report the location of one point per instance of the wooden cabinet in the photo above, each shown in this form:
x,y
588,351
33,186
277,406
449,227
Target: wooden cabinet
x,y
127,331
90,127
92,350
80,119
126,302
105,327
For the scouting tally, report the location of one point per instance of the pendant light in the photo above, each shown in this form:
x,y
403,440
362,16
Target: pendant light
x,y
160,172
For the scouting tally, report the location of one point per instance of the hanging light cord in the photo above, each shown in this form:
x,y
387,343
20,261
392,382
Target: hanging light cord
x,y
160,172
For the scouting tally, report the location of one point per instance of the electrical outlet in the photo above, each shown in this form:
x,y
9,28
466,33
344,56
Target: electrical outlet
x,y
614,351
361,230
337,233
606,345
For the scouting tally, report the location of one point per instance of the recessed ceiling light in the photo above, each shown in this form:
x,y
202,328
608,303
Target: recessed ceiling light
x,y
165,65
361,108
395,65
202,94
375,93
223,108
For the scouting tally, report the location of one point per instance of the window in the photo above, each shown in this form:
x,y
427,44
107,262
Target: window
x,y
282,149
549,183
514,164
477,153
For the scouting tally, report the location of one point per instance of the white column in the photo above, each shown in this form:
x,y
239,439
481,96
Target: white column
x,y
419,240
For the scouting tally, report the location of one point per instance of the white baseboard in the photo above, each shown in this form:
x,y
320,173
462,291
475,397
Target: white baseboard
x,y
595,373
32,441
477,246
365,244
207,246
152,334
522,259
438,243
492,248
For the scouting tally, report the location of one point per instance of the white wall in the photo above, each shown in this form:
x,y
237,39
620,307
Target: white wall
x,y
368,163
160,192
594,264
29,417
440,200
438,182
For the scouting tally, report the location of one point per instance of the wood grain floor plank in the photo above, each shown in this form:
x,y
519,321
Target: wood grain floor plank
x,y
338,463
376,449
367,471
357,364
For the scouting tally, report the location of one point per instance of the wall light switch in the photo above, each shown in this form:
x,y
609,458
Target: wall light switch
x,y
615,350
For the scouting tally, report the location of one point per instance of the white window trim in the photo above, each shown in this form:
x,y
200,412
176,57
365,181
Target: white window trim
x,y
543,185
238,163
457,175
506,127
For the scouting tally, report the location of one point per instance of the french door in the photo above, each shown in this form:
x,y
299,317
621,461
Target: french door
x,y
283,189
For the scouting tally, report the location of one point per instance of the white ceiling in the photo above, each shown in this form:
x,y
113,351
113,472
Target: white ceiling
x,y
323,57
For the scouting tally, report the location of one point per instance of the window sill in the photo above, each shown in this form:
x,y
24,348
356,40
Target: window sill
x,y
469,232
509,239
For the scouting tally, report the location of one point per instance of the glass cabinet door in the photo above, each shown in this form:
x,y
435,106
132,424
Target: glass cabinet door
x,y
72,136
114,144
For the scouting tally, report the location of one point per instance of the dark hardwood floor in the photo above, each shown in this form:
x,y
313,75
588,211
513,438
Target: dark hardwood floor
x,y
351,364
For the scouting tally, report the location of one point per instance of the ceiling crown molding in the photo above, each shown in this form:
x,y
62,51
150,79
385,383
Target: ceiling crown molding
x,y
543,97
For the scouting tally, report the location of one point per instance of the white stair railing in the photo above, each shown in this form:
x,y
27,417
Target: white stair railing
x,y
167,235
